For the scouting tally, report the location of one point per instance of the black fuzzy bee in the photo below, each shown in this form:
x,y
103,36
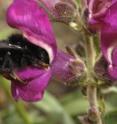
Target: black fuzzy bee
x,y
17,52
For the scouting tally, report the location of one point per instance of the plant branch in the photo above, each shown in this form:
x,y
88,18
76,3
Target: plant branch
x,y
94,114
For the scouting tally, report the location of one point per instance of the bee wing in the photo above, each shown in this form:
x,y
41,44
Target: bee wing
x,y
6,45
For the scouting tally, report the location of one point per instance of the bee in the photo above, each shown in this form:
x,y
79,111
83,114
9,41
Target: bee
x,y
17,52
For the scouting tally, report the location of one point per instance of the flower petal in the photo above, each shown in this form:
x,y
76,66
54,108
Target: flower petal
x,y
101,12
33,21
36,83
108,34
103,16
109,39
112,70
109,46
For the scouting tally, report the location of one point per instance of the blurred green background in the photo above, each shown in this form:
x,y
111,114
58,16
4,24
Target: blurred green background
x,y
61,104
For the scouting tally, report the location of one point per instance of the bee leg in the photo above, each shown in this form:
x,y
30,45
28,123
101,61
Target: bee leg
x,y
14,76
9,67
45,65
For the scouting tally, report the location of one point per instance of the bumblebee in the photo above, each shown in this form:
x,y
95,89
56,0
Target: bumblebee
x,y
17,52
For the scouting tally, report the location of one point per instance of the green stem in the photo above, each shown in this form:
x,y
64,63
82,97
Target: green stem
x,y
93,114
18,105
90,52
22,113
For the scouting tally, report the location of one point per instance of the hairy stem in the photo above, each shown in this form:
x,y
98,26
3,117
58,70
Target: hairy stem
x,y
94,114
90,52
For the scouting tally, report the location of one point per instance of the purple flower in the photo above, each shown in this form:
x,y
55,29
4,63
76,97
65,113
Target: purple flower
x,y
36,81
97,10
66,68
102,17
34,24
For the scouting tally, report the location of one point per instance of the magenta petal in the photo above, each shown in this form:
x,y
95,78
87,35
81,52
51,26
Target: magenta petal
x,y
102,13
112,70
109,33
108,46
103,16
32,20
109,39
61,67
107,42
36,82
114,56
111,17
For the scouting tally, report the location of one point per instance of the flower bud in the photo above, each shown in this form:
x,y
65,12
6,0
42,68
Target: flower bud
x,y
101,69
78,70
66,12
62,10
68,69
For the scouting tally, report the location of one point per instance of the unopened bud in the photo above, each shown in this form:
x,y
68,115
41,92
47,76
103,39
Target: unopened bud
x,y
77,68
65,11
100,69
62,10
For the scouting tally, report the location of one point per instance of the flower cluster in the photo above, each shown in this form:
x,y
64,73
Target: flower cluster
x,y
33,22
102,18
30,17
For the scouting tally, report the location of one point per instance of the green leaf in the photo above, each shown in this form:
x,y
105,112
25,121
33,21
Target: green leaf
x,y
54,109
111,118
75,103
